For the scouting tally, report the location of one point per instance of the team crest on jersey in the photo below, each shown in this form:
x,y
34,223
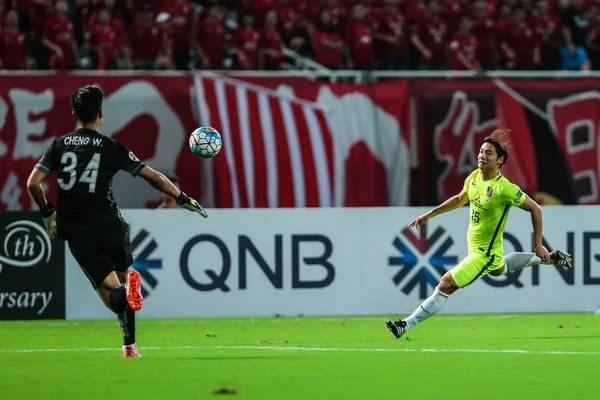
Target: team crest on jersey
x,y
490,191
133,157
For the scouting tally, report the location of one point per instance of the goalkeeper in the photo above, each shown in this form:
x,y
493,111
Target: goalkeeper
x,y
88,217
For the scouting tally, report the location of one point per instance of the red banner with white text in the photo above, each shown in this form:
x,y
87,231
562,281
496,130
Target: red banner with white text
x,y
367,158
153,116
554,150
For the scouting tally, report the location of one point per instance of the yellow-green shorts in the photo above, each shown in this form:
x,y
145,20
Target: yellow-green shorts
x,y
474,266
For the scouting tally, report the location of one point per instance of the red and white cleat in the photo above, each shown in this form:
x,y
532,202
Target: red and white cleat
x,y
134,290
130,351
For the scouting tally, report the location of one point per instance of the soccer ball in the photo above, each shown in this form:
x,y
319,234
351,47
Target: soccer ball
x,y
205,142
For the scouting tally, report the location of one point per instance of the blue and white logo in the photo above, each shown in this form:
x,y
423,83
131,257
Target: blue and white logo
x,y
422,260
143,247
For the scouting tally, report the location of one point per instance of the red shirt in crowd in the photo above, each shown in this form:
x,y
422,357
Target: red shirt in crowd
x,y
483,30
359,37
452,11
329,58
13,50
182,20
546,30
38,15
270,40
247,41
289,19
60,32
433,33
115,23
337,15
466,43
146,41
522,40
417,12
105,43
392,23
210,35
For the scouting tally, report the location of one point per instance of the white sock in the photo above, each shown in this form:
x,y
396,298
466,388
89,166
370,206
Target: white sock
x,y
428,308
518,261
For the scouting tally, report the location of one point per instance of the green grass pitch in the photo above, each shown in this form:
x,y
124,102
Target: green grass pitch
x,y
549,356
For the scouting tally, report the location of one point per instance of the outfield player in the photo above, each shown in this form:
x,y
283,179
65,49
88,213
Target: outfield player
x,y
491,196
87,216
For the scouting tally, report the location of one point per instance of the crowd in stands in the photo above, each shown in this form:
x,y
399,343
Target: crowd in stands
x,y
338,34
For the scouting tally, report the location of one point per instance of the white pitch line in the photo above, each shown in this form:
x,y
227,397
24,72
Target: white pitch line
x,y
308,349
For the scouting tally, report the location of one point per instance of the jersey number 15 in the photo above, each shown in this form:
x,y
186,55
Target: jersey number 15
x,y
89,175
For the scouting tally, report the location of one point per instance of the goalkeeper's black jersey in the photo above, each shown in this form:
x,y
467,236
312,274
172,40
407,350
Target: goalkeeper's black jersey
x,y
85,162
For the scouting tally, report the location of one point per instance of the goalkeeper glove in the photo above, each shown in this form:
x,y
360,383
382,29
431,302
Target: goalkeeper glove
x,y
190,204
49,216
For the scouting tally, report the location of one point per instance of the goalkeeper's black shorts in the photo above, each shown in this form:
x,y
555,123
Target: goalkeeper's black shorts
x,y
101,249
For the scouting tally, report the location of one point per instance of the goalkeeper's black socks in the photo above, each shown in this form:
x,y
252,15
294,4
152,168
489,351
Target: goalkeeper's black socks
x,y
127,323
117,299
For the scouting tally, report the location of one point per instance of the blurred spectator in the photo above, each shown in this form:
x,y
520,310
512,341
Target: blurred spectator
x,y
103,42
2,13
293,26
271,46
362,34
545,26
430,36
36,13
328,46
289,19
182,20
573,28
59,38
519,44
144,41
115,18
209,40
164,60
593,36
418,11
391,35
464,47
245,42
453,10
484,28
359,37
13,50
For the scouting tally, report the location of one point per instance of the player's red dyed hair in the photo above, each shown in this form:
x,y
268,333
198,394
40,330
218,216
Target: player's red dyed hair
x,y
499,140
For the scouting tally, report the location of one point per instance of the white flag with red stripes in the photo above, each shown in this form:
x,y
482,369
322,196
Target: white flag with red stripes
x,y
277,150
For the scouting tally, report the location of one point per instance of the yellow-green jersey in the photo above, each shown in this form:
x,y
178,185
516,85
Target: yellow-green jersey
x,y
490,202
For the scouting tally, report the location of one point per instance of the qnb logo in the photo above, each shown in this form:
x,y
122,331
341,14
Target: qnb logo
x,y
25,245
422,260
144,262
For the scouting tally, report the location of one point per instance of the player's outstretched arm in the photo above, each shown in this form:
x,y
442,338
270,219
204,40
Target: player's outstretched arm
x,y
452,203
34,185
162,183
536,221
